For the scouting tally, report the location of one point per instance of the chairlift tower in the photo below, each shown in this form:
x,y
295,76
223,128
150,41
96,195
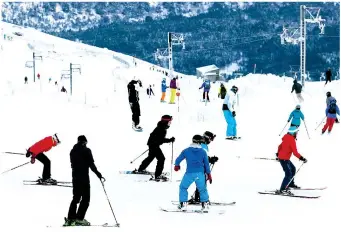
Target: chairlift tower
x,y
174,39
290,35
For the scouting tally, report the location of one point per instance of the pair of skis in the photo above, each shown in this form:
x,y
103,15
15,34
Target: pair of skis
x,y
59,183
199,211
294,195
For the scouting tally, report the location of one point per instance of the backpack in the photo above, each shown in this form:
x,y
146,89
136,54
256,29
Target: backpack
x,y
332,108
207,85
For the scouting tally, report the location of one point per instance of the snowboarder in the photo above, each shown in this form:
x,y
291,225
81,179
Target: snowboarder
x,y
134,103
222,91
163,89
296,116
328,76
26,80
331,111
328,100
298,90
197,169
36,151
208,137
230,113
207,86
157,138
173,87
81,160
150,91
284,152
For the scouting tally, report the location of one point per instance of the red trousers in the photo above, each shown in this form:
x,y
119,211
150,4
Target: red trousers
x,y
329,124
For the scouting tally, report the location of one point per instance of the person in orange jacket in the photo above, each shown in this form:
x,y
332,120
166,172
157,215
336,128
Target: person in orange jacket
x,y
36,151
285,150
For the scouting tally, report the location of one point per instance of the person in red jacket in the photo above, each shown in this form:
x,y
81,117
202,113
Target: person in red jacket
x,y
285,149
36,151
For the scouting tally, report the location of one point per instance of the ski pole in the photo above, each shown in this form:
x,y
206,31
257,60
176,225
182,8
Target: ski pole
x,y
293,176
14,153
321,122
172,163
306,129
117,224
15,167
139,156
283,128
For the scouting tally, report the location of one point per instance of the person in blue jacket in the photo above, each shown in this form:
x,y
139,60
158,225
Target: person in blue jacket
x,y
208,137
197,166
163,89
296,116
207,86
331,111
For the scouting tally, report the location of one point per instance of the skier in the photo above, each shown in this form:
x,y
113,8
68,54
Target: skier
x,y
36,152
197,166
150,91
328,76
134,103
328,100
63,90
26,80
230,114
298,89
157,138
222,91
331,111
296,116
207,86
173,88
285,149
81,160
208,137
163,89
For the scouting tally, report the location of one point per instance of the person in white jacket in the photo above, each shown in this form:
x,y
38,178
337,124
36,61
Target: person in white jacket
x,y
229,103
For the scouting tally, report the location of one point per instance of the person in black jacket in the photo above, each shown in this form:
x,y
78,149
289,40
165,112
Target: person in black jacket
x,y
134,103
157,138
81,160
298,89
328,76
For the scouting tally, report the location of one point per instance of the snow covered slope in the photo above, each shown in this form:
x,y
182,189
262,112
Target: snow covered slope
x,y
99,109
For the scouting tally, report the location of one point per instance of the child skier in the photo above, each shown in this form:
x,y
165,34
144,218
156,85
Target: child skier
x,y
285,149
163,89
156,139
197,166
208,137
296,116
36,152
331,111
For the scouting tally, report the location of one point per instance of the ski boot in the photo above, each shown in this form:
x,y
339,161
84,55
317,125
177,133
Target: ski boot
x,y
182,206
83,222
144,172
69,222
48,181
161,178
284,192
293,186
204,206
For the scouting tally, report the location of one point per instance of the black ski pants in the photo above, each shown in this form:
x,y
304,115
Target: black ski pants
x,y
154,152
135,109
81,194
47,165
204,96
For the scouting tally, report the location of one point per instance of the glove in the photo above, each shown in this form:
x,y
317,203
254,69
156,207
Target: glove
x,y
213,159
303,159
28,154
233,113
209,178
176,168
33,160
172,140
102,179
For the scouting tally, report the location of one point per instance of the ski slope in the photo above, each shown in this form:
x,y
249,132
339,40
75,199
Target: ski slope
x,y
99,109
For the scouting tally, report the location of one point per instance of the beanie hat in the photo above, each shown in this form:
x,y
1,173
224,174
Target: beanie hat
x,y
197,139
82,139
329,94
293,130
166,118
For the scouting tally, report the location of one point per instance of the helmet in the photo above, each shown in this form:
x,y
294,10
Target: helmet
x,y
197,139
298,107
293,130
328,94
234,89
209,135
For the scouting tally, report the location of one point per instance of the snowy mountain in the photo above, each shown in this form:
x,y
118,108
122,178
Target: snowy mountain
x,y
99,109
211,38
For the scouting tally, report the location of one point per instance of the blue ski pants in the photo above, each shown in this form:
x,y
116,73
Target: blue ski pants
x,y
231,123
200,181
290,171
